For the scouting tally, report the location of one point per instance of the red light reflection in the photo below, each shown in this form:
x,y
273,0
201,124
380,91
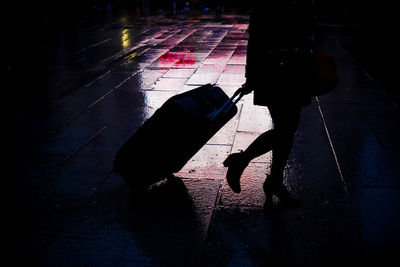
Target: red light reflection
x,y
177,58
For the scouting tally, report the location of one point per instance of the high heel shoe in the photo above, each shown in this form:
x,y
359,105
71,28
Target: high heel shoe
x,y
273,187
236,165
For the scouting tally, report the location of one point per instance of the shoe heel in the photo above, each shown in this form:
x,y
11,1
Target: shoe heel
x,y
269,201
283,195
229,160
233,159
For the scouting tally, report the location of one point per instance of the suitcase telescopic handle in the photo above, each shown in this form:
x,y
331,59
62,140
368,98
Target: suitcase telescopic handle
x,y
228,104
238,95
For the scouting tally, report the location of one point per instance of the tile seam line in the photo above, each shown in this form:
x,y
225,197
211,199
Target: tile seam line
x,y
93,45
90,106
218,197
73,154
360,66
344,185
94,103
208,231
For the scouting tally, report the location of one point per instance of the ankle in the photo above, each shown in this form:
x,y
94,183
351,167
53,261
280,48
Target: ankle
x,y
245,157
239,158
274,179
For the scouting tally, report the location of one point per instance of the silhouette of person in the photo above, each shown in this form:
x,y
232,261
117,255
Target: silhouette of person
x,y
276,69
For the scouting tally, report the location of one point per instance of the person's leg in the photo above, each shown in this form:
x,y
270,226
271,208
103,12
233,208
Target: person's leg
x,y
237,162
286,121
260,146
279,139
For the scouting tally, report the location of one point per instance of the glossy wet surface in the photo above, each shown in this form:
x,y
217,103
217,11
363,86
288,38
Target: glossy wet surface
x,y
71,210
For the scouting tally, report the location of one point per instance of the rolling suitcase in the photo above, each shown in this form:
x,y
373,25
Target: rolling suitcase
x,y
176,131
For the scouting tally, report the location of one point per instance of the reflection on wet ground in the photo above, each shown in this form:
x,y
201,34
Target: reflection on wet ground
x,y
109,78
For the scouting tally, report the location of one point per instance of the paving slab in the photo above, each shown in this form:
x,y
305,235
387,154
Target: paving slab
x,y
179,73
254,118
207,163
169,84
252,194
168,226
226,135
242,142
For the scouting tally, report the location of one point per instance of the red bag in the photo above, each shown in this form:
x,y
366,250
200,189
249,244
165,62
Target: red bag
x,y
325,73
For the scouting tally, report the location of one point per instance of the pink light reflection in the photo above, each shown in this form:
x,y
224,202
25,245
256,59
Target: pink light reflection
x,y
177,58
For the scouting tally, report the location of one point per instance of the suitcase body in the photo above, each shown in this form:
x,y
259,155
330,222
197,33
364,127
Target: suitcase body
x,y
176,131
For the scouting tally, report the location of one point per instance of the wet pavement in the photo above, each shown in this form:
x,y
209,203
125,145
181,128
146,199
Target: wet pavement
x,y
70,209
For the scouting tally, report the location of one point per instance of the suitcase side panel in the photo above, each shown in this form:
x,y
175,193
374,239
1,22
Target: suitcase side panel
x,y
176,131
